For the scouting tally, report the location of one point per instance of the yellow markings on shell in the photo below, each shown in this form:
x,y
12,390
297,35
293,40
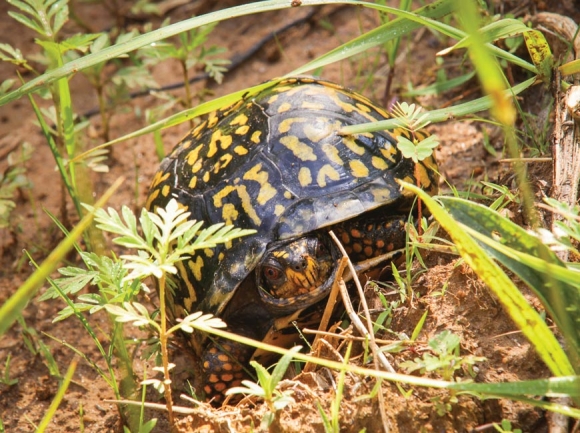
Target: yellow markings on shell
x,y
279,210
389,153
285,125
287,90
256,137
381,195
350,143
360,98
240,150
190,288
226,111
212,119
240,119
421,135
205,177
349,108
195,267
208,252
358,169
408,179
193,182
315,106
229,213
304,176
273,99
285,106
159,177
267,191
152,197
197,166
165,190
302,151
398,132
244,198
196,132
363,107
332,153
320,129
242,130
287,195
379,163
193,155
326,171
224,162
422,173
224,141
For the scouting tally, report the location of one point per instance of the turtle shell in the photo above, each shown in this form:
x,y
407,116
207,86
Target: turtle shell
x,y
275,162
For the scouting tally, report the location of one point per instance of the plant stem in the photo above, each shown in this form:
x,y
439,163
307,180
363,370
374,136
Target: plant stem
x,y
187,89
164,354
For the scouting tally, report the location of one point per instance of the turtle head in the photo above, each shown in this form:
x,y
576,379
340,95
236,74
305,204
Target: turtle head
x,y
296,274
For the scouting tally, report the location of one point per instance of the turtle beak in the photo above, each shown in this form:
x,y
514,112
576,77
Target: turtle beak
x,y
304,274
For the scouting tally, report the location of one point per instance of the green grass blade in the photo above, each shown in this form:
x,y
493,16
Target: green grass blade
x,y
13,307
184,116
486,64
440,115
407,22
57,398
552,387
520,391
440,87
531,260
525,317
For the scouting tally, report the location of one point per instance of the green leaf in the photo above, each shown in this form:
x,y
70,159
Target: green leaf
x,y
417,152
25,7
525,317
60,12
26,21
282,365
80,42
75,280
511,246
445,342
570,68
540,52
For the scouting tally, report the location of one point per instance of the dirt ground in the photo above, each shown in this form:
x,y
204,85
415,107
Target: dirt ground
x,y
466,307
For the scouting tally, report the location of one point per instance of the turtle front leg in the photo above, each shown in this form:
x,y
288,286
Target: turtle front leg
x,y
224,364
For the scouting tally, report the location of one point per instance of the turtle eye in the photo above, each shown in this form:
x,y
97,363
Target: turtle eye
x,y
320,249
271,273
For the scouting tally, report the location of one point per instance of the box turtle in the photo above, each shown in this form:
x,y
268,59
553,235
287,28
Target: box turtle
x,y
274,161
